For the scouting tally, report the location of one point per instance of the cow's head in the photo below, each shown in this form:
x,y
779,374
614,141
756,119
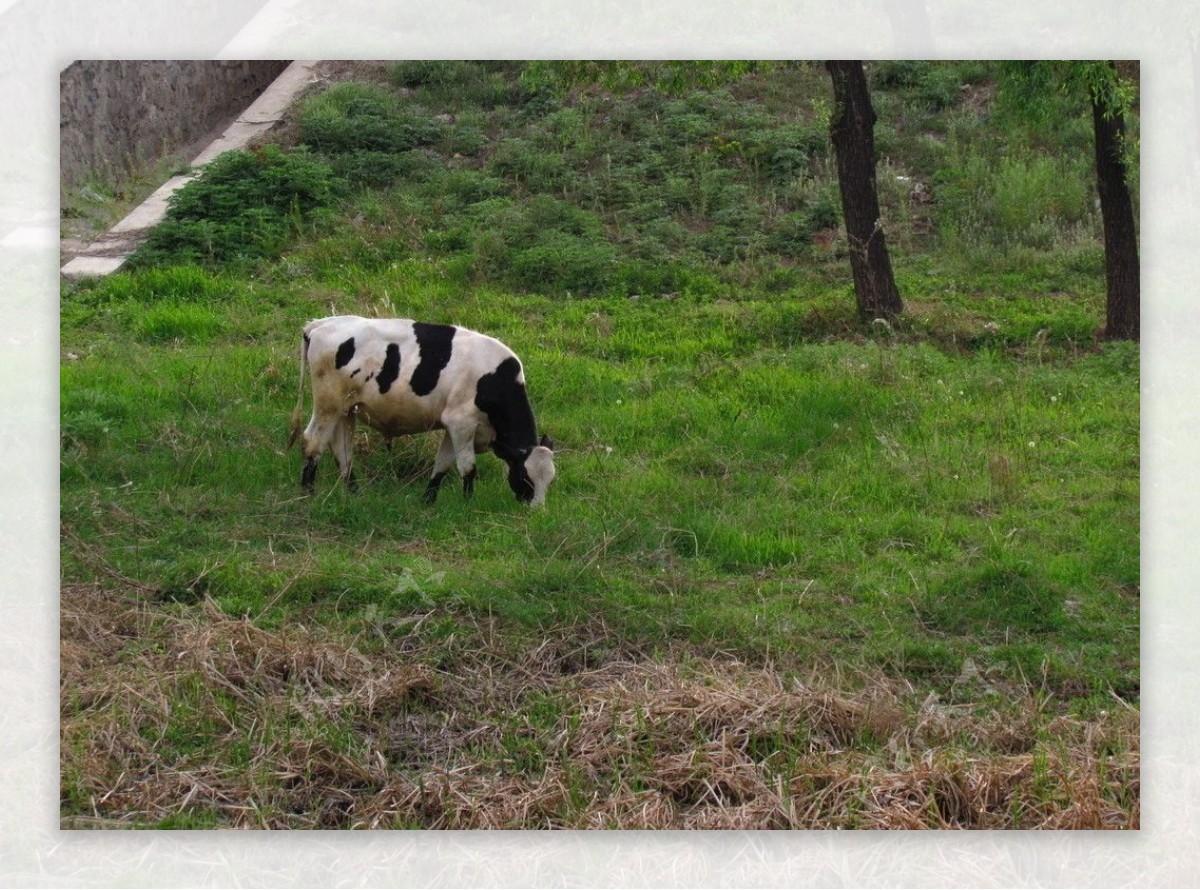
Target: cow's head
x,y
530,470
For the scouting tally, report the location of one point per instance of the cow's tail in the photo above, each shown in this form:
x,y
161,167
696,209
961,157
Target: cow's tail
x,y
298,412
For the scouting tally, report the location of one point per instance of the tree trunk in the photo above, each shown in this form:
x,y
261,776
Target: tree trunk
x,y
1121,268
852,129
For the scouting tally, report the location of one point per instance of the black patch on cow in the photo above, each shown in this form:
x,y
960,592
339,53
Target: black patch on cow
x,y
356,371
502,398
391,368
435,343
519,481
344,354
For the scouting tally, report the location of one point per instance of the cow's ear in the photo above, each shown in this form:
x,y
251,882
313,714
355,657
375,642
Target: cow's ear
x,y
547,442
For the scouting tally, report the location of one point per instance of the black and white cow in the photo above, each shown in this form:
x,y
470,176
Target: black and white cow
x,y
403,377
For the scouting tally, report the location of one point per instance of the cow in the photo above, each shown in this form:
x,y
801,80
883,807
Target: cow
x,y
403,377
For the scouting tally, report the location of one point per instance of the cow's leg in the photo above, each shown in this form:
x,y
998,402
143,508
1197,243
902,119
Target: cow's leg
x,y
441,466
342,446
308,475
317,436
461,432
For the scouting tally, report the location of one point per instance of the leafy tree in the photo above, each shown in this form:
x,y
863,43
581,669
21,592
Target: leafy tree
x,y
1111,94
852,129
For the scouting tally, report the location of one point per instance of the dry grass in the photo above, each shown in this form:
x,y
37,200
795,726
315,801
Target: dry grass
x,y
173,713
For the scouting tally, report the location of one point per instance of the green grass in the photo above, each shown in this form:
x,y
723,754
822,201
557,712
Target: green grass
x,y
743,468
714,465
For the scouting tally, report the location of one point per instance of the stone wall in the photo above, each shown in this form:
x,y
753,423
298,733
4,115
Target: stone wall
x,y
116,116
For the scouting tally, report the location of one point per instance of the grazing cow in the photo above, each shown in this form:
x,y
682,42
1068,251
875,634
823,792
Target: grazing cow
x,y
403,377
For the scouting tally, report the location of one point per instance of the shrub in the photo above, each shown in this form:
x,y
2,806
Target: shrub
x,y
1021,199
779,154
563,130
468,187
563,264
243,205
430,72
642,276
931,86
378,169
791,235
825,212
465,82
1032,188
354,117
538,171
464,139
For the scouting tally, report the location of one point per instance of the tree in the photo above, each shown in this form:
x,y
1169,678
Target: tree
x,y
1121,266
852,128
1111,97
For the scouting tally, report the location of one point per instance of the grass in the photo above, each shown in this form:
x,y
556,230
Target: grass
x,y
303,729
794,572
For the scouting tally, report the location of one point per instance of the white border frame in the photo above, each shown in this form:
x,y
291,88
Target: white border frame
x,y
36,39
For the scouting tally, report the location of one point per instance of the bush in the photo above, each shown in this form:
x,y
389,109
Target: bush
x,y
354,117
825,212
538,171
1033,188
641,276
468,187
482,84
791,235
431,72
243,205
464,139
83,428
563,264
997,597
932,86
379,169
779,154
541,244
1021,199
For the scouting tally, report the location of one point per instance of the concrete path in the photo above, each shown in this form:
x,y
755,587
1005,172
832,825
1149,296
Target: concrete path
x,y
107,254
